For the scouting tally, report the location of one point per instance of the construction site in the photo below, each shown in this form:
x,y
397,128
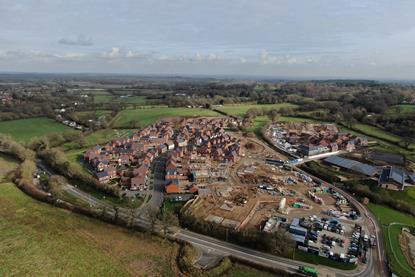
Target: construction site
x,y
256,192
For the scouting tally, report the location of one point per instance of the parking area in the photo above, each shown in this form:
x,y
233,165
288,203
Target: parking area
x,y
331,238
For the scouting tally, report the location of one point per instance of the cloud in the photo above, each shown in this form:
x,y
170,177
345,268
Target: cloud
x,y
267,58
80,40
115,52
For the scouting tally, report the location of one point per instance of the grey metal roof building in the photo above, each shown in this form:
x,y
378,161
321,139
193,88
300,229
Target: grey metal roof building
x,y
396,175
359,167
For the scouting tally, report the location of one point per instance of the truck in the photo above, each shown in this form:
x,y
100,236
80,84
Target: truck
x,y
308,271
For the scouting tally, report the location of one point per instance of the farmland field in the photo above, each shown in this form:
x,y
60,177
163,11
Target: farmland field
x,y
376,132
386,216
138,100
405,109
105,135
25,129
89,114
41,240
101,98
98,137
143,117
241,109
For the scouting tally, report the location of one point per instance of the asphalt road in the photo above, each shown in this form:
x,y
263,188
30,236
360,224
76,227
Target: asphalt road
x,y
254,256
376,265
377,262
157,194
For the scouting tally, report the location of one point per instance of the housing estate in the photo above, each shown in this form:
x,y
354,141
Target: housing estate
x,y
189,149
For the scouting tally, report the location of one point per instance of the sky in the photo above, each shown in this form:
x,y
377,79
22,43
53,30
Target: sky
x,y
279,38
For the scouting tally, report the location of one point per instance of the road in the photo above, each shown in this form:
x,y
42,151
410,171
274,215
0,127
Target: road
x,y
376,263
157,194
254,256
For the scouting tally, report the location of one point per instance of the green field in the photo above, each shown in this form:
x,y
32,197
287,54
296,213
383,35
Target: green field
x,y
401,110
91,114
105,135
95,91
106,98
75,155
376,132
37,239
98,137
23,130
147,116
261,121
296,119
258,124
386,216
387,141
239,270
241,109
102,98
137,100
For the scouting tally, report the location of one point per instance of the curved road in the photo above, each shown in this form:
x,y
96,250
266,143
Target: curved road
x,y
376,265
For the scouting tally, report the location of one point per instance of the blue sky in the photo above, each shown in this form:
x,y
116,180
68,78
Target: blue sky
x,y
292,38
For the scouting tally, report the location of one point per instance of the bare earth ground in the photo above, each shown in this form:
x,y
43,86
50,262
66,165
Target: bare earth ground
x,y
244,177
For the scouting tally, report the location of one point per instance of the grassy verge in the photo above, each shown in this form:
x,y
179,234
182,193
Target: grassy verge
x,y
7,164
171,207
386,216
75,157
324,172
315,259
258,124
239,270
404,200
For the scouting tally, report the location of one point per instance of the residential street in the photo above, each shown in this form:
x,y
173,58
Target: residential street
x,y
375,267
157,193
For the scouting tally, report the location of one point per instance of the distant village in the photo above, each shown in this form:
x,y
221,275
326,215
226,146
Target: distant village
x,y
193,152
